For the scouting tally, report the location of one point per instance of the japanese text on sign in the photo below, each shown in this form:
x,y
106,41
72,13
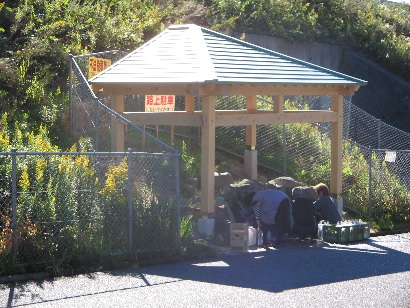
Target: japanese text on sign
x,y
159,103
96,65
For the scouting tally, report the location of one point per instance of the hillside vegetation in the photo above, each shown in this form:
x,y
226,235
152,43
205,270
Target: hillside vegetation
x,y
36,37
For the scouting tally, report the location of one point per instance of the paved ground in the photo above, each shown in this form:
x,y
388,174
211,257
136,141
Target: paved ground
x,y
371,273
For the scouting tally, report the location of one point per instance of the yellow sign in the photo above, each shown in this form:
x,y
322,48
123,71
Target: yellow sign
x,y
96,65
159,103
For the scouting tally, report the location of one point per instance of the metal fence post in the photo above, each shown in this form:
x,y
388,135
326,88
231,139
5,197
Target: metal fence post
x,y
284,148
70,88
370,181
378,133
177,196
129,200
14,202
96,124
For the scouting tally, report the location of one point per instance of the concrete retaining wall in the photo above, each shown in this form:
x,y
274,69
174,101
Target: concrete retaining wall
x,y
386,96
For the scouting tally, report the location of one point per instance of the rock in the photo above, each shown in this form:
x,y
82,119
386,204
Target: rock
x,y
273,185
235,195
262,179
287,183
188,191
222,180
194,182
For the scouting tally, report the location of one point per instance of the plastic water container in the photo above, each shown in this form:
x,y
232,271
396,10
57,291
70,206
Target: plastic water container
x,y
320,230
252,236
259,237
206,226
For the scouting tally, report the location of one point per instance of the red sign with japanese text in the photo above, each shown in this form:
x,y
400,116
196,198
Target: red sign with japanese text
x,y
96,65
159,103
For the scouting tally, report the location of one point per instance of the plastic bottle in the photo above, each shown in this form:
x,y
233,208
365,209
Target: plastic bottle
x,y
320,230
259,237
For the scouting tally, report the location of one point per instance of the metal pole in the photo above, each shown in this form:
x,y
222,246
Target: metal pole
x,y
96,125
70,94
378,133
143,139
284,148
129,200
177,197
14,202
370,182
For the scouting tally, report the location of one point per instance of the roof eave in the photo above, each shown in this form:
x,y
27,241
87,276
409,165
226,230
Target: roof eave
x,y
224,88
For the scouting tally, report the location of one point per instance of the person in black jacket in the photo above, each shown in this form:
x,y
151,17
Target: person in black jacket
x,y
303,212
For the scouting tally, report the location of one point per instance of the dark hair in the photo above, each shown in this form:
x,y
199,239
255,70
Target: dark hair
x,y
321,187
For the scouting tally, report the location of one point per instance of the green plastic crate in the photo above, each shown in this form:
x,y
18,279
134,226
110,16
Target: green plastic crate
x,y
335,233
352,231
345,233
363,231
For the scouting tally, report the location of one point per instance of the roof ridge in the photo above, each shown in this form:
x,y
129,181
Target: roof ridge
x,y
204,58
275,53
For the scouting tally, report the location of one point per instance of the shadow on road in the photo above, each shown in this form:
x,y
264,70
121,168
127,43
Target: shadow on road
x,y
292,267
275,270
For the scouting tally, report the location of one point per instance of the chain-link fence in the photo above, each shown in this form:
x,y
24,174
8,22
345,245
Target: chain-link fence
x,y
378,183
82,207
369,131
303,152
75,208
92,118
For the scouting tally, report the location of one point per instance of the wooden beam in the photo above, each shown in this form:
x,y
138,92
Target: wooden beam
x,y
146,89
208,155
176,118
276,89
117,127
250,130
336,147
231,117
269,117
195,89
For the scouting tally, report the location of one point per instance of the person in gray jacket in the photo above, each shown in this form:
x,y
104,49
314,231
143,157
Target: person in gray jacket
x,y
325,207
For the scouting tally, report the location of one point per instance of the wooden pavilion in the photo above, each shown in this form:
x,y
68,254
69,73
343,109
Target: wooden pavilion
x,y
190,61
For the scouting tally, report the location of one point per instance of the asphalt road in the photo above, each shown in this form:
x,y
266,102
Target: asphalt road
x,y
370,273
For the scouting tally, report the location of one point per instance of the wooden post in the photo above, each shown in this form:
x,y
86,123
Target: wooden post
x,y
336,148
250,130
278,103
208,155
190,104
117,127
251,154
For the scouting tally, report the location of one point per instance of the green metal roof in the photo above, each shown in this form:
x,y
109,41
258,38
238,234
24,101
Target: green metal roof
x,y
192,54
